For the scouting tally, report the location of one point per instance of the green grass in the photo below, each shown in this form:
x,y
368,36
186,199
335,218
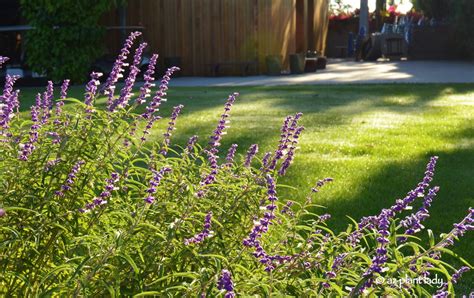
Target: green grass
x,y
374,140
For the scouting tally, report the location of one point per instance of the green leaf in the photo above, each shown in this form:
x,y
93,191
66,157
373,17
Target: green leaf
x,y
130,261
191,275
148,293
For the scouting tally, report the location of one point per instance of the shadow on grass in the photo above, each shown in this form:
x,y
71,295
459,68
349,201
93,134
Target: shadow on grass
x,y
304,98
454,175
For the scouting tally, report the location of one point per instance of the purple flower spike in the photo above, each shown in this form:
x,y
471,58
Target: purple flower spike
x,y
291,151
211,177
71,177
126,91
261,226
253,150
91,91
154,182
27,148
221,126
400,205
60,103
287,208
145,90
457,275
231,154
215,143
3,60
148,127
320,184
64,88
191,143
104,195
205,233
51,163
412,222
171,127
443,291
287,131
226,284
160,95
8,104
118,68
460,229
47,102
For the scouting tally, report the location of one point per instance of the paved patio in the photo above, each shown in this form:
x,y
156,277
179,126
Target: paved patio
x,y
349,72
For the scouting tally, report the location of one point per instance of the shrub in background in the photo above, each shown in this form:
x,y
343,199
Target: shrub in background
x,y
66,38
460,13
91,206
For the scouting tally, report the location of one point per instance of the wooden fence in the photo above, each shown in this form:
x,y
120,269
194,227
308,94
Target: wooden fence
x,y
205,32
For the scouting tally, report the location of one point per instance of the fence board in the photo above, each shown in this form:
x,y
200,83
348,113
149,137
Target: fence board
x,y
203,32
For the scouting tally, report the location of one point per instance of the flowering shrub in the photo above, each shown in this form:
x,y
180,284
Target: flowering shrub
x,y
91,207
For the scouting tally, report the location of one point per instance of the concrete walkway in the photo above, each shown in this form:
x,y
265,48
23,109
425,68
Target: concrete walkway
x,y
350,72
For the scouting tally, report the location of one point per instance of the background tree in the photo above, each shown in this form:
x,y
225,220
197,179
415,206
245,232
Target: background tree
x,y
67,36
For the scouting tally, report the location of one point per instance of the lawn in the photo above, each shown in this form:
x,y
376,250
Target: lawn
x,y
374,140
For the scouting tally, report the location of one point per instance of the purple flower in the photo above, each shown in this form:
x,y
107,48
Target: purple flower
x,y
291,151
64,88
253,150
211,177
205,233
154,182
287,208
191,143
324,217
47,102
8,104
71,177
261,226
145,90
8,89
320,184
400,205
104,195
215,143
459,229
27,148
221,126
91,91
225,283
2,211
442,292
231,154
117,69
378,261
160,95
148,127
60,103
52,163
3,60
287,130
457,275
169,130
266,162
126,91
412,222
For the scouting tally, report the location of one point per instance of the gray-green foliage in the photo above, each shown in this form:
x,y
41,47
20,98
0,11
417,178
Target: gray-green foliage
x,y
126,246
